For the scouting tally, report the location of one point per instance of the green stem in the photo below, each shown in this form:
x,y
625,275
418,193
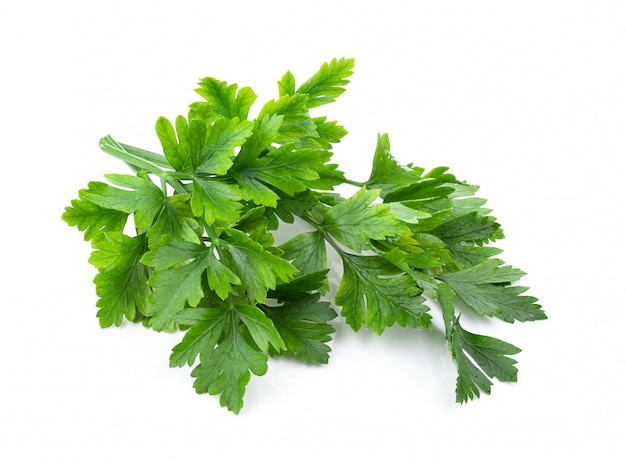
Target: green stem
x,y
153,157
327,236
355,183
111,147
174,183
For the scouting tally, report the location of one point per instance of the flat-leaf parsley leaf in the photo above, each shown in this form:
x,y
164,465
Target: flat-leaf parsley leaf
x,y
187,241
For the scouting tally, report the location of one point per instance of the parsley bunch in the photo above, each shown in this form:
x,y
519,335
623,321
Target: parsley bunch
x,y
186,242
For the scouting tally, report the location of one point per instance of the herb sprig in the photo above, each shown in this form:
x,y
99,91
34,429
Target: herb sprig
x,y
186,243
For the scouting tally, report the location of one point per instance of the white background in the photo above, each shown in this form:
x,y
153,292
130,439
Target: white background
x,y
525,98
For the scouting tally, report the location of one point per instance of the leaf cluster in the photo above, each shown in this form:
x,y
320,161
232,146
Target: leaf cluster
x,y
187,241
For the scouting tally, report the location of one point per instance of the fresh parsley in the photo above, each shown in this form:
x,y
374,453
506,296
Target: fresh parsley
x,y
186,243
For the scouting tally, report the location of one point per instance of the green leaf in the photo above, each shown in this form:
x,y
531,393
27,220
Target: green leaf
x,y
177,149
329,132
483,288
144,200
215,156
375,292
265,132
285,169
306,251
355,221
296,122
180,260
301,286
328,83
489,356
121,283
177,279
201,337
205,259
220,277
436,184
287,84
471,227
216,200
224,98
469,256
173,221
92,218
261,328
303,326
226,369
387,173
258,269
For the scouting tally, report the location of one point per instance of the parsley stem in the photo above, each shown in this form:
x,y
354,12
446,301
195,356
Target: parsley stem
x,y
153,157
112,147
354,183
327,236
174,183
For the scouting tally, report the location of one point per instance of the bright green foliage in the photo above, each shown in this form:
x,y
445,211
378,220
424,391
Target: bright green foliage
x,y
121,282
187,241
144,200
92,218
485,288
355,222
373,291
303,326
490,355
225,369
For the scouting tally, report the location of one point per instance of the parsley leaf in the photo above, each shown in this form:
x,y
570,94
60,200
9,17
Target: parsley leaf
x,y
484,287
304,327
489,356
144,200
226,368
225,100
188,241
374,292
355,221
328,83
92,218
258,269
121,283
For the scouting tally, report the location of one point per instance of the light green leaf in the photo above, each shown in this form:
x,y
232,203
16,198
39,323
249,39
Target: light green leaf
x,y
285,168
174,289
177,279
328,83
354,222
92,218
218,150
287,84
144,200
374,292
122,281
258,269
176,148
226,370
201,337
172,223
220,277
296,121
387,173
484,288
224,98
215,200
265,132
261,328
